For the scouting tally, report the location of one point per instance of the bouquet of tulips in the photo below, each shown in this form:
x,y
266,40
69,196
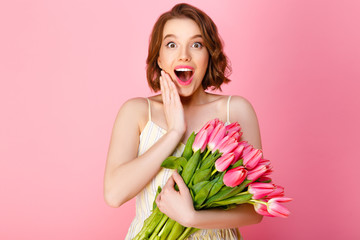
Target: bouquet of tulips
x,y
220,172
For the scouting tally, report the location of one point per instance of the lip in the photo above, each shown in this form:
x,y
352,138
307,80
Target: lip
x,y
190,79
184,66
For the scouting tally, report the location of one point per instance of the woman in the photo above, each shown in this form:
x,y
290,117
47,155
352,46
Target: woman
x,y
185,58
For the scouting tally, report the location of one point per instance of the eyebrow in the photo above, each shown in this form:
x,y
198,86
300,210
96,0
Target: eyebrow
x,y
172,35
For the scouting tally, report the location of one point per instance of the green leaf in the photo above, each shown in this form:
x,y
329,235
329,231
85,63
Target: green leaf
x,y
202,194
239,199
237,164
197,187
170,162
202,175
188,147
157,193
190,167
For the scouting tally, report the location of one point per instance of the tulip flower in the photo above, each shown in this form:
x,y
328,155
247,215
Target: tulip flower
x,y
264,179
247,148
237,152
226,145
252,158
233,127
262,209
216,136
276,209
256,173
278,192
235,176
209,126
200,141
224,162
260,190
235,135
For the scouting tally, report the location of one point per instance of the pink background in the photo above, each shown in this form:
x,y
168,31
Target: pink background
x,y
66,67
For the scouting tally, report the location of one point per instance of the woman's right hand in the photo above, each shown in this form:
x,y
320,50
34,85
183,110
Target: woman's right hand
x,y
173,109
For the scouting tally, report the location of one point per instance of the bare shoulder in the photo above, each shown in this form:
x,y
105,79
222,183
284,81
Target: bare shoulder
x,y
242,111
133,110
241,108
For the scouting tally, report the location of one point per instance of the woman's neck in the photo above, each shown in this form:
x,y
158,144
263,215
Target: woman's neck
x,y
197,98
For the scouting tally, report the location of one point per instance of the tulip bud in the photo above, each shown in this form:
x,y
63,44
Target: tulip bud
x,y
224,162
235,176
256,173
233,127
262,209
278,192
252,158
200,141
227,144
216,136
260,190
276,209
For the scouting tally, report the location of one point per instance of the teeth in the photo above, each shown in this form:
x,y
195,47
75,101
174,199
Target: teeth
x,y
183,70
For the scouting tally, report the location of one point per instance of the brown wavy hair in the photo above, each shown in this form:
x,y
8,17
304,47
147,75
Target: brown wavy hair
x,y
218,67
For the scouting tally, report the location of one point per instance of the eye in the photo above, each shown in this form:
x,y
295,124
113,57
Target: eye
x,y
197,45
171,45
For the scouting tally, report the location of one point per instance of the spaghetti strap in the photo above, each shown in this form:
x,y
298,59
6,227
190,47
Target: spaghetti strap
x,y
149,109
228,109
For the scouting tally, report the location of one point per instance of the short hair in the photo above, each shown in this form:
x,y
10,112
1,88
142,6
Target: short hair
x,y
218,68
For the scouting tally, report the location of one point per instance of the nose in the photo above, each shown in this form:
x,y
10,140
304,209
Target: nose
x,y
184,54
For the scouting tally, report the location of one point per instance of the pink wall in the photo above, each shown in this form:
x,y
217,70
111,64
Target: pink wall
x,y
67,66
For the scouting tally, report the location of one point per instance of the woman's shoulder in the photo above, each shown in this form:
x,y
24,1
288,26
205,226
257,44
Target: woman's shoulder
x,y
241,109
135,108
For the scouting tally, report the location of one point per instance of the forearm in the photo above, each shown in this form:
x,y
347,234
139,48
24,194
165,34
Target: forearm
x,y
128,179
242,215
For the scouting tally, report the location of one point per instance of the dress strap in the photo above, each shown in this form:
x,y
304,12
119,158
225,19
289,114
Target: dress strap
x,y
228,109
149,109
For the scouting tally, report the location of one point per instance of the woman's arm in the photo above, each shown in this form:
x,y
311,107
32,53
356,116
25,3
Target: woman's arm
x,y
125,173
178,205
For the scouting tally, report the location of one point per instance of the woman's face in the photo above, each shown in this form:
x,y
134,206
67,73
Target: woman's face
x,y
183,54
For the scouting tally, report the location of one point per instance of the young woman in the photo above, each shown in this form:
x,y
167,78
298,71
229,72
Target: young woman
x,y
185,58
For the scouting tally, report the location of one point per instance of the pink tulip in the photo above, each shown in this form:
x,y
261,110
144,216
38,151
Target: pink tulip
x,y
209,126
278,192
252,158
276,209
200,141
235,135
237,152
262,209
256,173
264,161
264,179
233,127
247,148
216,136
227,144
224,162
260,190
235,176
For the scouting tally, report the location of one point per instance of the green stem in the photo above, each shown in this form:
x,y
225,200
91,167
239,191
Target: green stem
x,y
207,153
159,226
213,172
253,201
242,193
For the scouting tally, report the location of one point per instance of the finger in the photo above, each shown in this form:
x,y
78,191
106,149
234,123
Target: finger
x,y
169,184
158,199
166,87
180,182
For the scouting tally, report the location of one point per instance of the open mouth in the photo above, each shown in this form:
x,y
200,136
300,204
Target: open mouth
x,y
184,75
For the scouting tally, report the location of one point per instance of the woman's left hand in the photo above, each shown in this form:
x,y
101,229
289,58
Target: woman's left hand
x,y
177,205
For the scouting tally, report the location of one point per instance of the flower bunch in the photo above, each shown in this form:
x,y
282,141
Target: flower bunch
x,y
220,171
